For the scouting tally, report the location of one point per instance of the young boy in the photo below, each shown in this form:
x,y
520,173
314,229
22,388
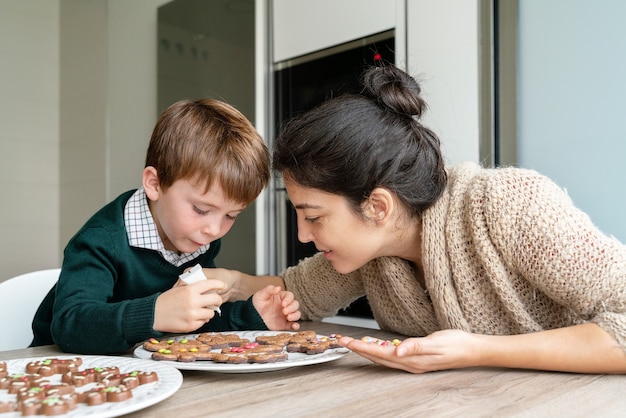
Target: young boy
x,y
119,280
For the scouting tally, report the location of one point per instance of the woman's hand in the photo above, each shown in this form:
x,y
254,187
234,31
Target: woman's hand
x,y
278,308
441,350
596,351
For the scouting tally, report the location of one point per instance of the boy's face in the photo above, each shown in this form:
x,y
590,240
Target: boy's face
x,y
187,217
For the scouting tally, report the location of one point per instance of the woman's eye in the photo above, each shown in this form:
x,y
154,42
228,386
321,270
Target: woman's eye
x,y
311,219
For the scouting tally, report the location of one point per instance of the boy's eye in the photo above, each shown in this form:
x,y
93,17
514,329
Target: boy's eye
x,y
231,217
200,211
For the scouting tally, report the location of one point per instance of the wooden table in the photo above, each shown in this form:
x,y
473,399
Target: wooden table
x,y
353,386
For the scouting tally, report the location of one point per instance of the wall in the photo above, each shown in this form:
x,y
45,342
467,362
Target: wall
x,y
29,139
78,103
132,89
442,53
437,41
92,125
83,106
108,102
206,49
302,26
572,62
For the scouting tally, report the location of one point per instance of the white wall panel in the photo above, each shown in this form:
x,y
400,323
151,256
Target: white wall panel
x,y
443,52
29,139
304,26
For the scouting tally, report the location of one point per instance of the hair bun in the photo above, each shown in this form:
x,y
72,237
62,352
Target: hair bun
x,y
393,89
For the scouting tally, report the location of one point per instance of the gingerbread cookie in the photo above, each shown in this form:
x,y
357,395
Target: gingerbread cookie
x,y
251,352
253,348
249,357
3,369
52,366
103,393
91,375
307,342
285,338
13,383
172,344
50,405
35,394
184,350
220,340
236,350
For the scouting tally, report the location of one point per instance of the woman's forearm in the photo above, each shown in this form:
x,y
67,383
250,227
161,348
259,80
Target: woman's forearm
x,y
247,285
585,348
240,286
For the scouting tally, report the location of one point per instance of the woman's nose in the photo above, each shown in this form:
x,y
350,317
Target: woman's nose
x,y
304,233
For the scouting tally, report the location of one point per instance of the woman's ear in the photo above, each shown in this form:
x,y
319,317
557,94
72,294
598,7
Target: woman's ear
x,y
150,181
380,205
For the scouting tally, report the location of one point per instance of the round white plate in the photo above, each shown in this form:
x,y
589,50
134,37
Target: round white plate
x,y
146,395
294,360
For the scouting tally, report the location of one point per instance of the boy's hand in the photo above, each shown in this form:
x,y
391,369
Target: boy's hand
x,y
186,308
278,308
230,279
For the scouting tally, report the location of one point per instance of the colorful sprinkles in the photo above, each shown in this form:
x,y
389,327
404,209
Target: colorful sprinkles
x,y
371,340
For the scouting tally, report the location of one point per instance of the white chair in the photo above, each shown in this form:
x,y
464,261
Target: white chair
x,y
20,297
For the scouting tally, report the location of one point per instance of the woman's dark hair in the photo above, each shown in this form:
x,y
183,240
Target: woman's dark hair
x,y
353,143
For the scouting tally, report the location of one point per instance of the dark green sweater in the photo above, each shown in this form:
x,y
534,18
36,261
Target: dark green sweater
x,y
104,300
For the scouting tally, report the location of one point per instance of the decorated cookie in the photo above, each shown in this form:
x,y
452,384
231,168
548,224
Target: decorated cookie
x,y
49,406
102,393
13,383
172,344
285,338
220,340
254,347
52,366
90,375
36,394
249,357
3,369
235,349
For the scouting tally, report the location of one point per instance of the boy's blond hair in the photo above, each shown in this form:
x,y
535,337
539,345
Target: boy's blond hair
x,y
208,140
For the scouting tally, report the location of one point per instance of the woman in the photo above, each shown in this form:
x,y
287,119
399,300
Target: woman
x,y
481,267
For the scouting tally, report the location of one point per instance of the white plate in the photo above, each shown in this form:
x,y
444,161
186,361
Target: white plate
x,y
146,395
294,360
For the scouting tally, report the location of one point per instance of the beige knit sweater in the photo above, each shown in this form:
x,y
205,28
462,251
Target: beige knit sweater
x,y
505,251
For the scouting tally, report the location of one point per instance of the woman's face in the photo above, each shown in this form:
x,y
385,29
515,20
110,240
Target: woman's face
x,y
346,239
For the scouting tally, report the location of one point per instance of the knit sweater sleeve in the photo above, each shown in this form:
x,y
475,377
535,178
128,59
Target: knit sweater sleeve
x,y
320,289
557,248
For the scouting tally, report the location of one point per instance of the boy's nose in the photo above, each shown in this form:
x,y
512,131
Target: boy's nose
x,y
211,228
